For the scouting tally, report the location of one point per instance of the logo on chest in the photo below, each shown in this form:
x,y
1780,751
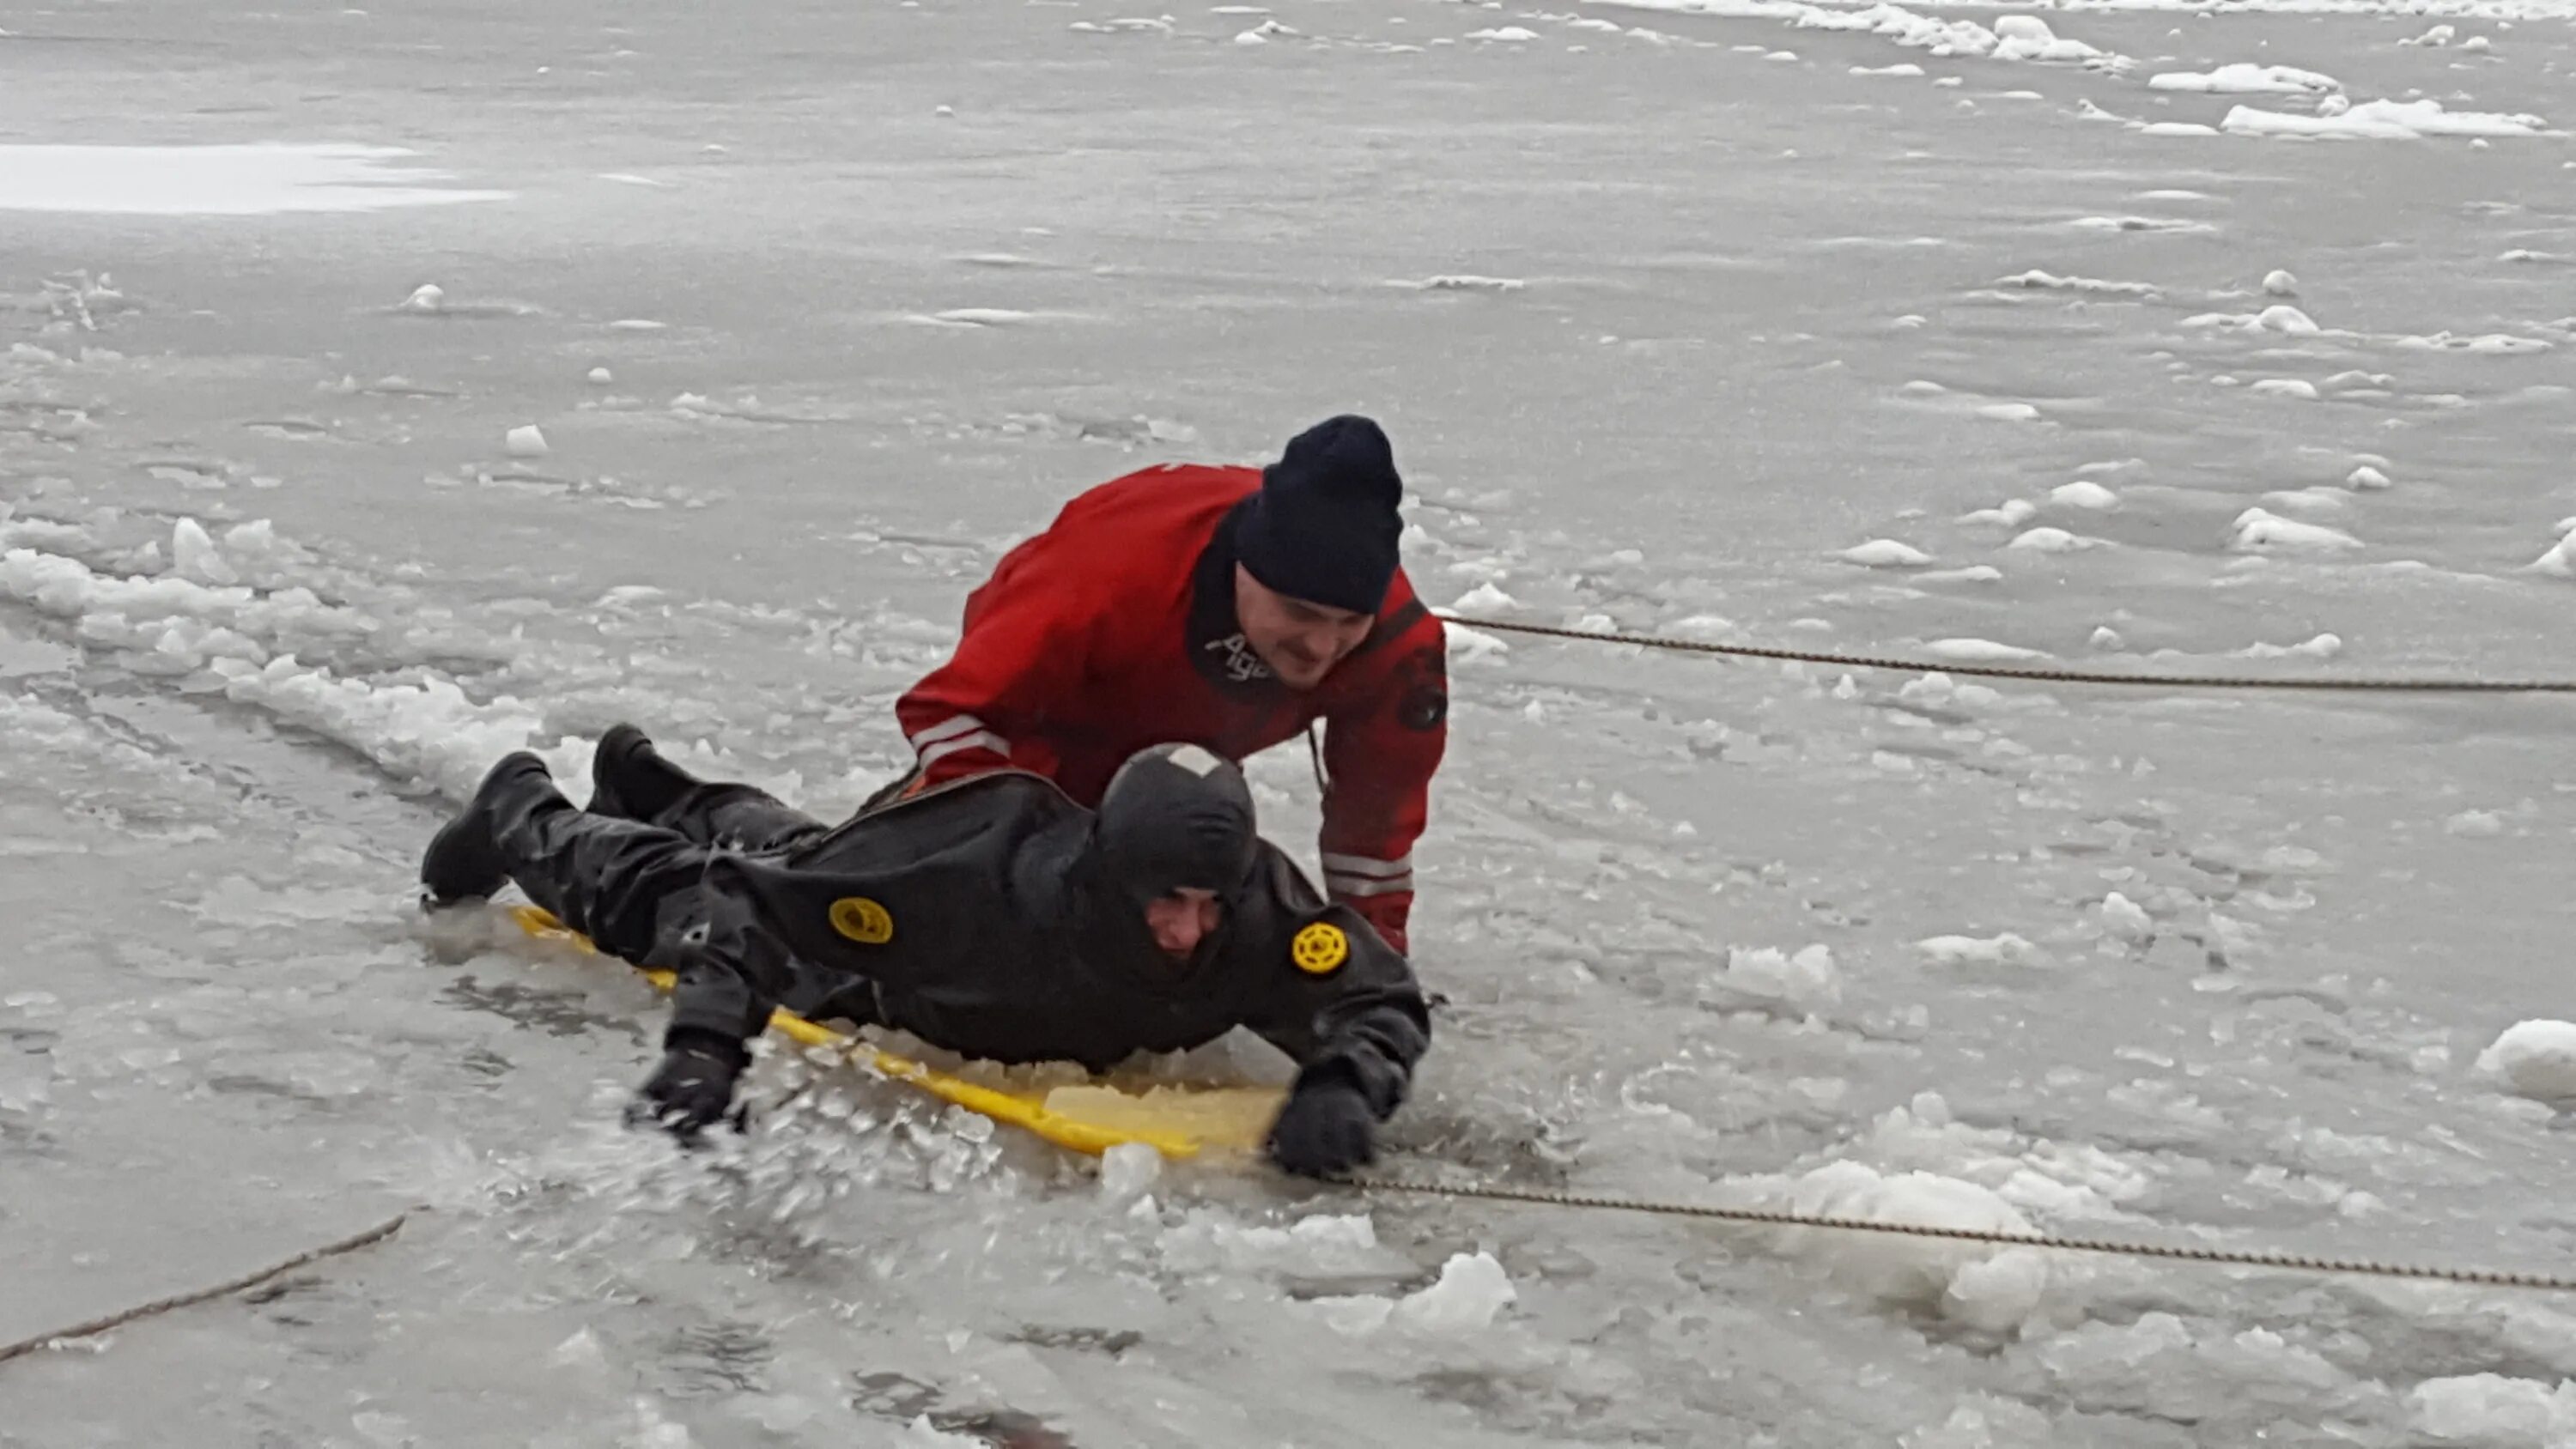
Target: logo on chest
x,y
1235,657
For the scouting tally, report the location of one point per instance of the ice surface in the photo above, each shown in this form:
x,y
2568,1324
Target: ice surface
x,y
1757,325
1980,651
232,180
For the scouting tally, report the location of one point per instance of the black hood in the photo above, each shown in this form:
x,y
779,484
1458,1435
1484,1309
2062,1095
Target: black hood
x,y
1174,817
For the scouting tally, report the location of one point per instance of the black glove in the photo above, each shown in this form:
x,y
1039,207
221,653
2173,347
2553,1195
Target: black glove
x,y
694,1085
1326,1129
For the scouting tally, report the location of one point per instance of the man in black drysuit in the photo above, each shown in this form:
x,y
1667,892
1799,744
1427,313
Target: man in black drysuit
x,y
992,916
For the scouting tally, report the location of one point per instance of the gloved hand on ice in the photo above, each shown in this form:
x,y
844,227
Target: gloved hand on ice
x,y
694,1085
1325,1129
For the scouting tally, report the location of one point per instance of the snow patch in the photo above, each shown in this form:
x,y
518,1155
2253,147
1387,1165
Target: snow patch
x,y
2259,532
2004,950
1980,651
2383,121
2247,80
2535,1058
2083,494
1886,553
1806,979
2052,540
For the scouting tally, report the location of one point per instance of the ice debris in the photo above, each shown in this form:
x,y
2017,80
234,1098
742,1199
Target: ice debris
x,y
2383,121
2536,1058
2003,950
2247,80
526,442
1886,553
2257,531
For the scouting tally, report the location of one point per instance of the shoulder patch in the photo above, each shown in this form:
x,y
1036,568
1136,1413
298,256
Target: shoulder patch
x,y
1320,949
862,920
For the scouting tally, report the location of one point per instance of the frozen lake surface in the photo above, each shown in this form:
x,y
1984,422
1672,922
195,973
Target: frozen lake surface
x,y
2129,336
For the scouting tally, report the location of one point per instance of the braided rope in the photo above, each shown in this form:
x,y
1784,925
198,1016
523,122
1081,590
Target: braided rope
x,y
2485,1277
2024,672
97,1326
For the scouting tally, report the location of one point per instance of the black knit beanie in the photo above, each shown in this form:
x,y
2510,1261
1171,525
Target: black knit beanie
x,y
1324,528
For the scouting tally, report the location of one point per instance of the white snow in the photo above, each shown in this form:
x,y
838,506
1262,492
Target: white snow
x,y
2493,1411
2283,318
1510,34
526,442
2323,646
2474,824
427,297
1886,553
2285,387
601,377
2083,493
193,555
1472,1290
2559,562
1901,68
2536,1058
2051,540
2011,514
2383,121
2009,412
1993,1290
2106,638
1980,651
1484,598
2257,531
2367,479
2244,79
2280,284
2124,918
261,179
2003,950
1806,979
2036,280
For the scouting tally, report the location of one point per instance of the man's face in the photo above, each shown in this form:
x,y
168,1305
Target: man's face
x,y
1301,642
1182,919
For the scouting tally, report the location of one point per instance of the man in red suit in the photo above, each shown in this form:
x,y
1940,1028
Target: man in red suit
x,y
1232,608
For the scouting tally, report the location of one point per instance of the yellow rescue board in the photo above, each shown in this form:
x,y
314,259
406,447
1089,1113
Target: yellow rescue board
x,y
1177,1122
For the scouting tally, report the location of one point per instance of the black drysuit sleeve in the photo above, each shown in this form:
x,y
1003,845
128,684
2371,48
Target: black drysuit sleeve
x,y
1339,999
731,967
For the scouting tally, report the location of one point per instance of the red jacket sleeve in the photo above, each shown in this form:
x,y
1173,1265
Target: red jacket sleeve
x,y
1381,746
1025,644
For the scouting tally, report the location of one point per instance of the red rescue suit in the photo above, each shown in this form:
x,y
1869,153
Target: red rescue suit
x,y
1115,629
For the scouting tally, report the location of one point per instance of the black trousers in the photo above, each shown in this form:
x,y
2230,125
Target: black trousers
x,y
636,886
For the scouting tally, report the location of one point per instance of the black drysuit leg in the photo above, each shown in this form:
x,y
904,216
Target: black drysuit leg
x,y
737,817
622,883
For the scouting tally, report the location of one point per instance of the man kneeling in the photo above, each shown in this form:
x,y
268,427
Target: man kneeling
x,y
992,917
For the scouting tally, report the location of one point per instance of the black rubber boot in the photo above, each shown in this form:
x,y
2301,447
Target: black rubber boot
x,y
463,862
629,779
